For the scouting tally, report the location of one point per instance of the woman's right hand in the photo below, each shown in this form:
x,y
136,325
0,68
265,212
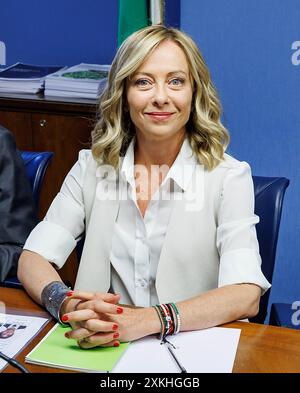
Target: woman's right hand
x,y
88,316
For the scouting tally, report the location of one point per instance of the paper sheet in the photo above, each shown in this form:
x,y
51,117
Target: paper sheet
x,y
16,331
202,351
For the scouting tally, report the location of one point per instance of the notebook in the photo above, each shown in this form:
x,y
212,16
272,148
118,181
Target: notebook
x,y
55,350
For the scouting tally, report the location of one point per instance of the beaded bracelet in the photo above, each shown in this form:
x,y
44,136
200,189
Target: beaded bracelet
x,y
161,322
178,319
168,318
174,318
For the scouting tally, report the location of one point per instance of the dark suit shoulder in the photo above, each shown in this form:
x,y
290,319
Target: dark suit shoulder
x,y
7,139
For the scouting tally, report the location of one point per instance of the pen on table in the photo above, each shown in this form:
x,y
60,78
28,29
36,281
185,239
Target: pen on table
x,y
183,370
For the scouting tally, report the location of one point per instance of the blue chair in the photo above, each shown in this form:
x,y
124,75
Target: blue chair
x,y
36,164
269,195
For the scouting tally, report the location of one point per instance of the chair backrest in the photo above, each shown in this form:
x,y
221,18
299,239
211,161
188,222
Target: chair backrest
x,y
36,164
269,194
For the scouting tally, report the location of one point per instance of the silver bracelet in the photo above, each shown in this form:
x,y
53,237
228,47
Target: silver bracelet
x,y
53,296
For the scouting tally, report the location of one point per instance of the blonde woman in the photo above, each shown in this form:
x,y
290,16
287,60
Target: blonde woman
x,y
168,216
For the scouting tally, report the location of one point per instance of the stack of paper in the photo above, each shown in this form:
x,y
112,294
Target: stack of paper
x,y
82,80
24,78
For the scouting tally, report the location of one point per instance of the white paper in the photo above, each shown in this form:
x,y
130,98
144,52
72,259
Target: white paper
x,y
201,351
16,331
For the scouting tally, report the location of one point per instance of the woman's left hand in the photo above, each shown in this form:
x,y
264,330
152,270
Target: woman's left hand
x,y
130,327
133,323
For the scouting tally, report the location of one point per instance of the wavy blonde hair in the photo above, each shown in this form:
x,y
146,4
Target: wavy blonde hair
x,y
114,130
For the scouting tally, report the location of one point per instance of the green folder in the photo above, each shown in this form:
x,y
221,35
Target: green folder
x,y
55,350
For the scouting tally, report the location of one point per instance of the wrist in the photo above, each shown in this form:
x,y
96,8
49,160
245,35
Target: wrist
x,y
53,296
151,320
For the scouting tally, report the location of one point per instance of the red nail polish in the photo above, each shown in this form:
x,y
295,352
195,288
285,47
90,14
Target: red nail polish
x,y
67,335
70,293
64,318
116,343
116,335
115,327
119,310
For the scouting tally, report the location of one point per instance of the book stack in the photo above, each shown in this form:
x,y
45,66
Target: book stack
x,y
81,80
24,78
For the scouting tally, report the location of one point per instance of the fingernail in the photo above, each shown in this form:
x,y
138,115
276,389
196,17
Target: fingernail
x,y
119,310
116,335
70,293
67,335
116,343
115,327
64,318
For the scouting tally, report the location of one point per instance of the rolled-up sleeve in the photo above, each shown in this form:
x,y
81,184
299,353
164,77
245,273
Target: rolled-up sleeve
x,y
56,236
240,261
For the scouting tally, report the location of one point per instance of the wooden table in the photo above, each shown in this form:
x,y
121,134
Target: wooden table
x,y
262,348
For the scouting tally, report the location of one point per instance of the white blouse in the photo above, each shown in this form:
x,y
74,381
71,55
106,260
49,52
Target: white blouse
x,y
137,241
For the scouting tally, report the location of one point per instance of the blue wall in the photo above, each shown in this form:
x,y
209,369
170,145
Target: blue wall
x,y
63,32
247,46
172,13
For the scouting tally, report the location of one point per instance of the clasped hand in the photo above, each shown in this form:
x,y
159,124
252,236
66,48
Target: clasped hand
x,y
97,320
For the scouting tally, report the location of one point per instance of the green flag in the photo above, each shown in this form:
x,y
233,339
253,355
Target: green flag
x,y
133,15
